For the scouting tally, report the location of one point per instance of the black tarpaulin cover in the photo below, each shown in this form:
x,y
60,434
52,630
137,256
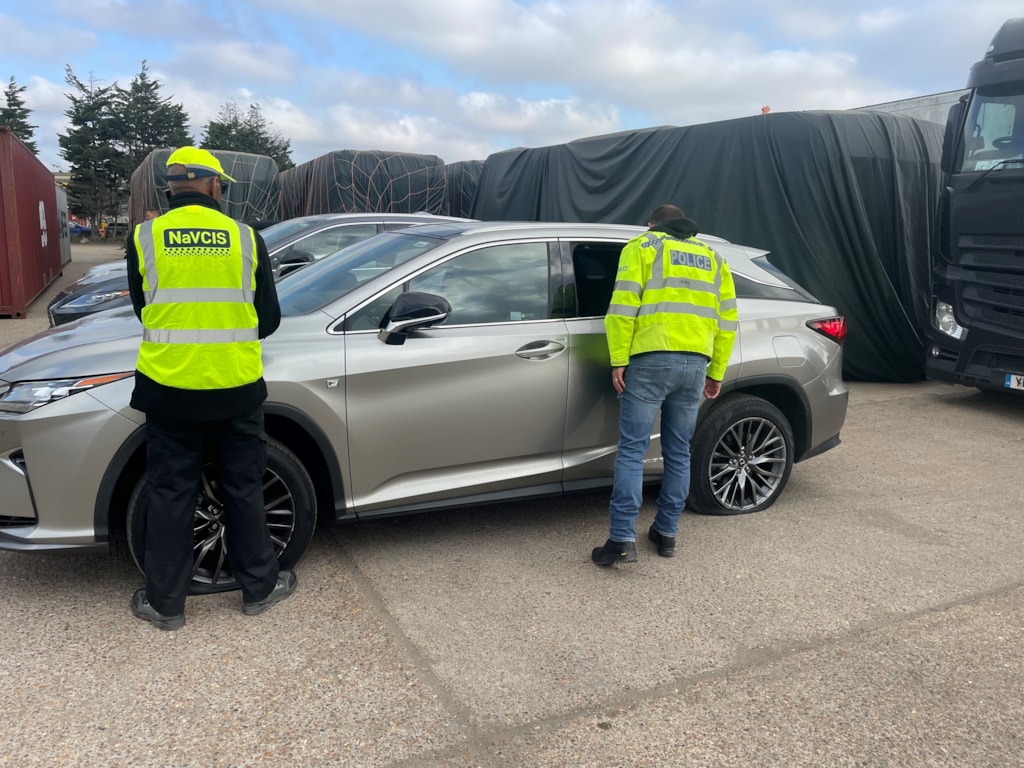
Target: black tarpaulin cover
x,y
371,181
845,201
253,197
461,180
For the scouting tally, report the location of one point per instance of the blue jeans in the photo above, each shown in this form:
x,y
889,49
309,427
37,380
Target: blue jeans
x,y
672,383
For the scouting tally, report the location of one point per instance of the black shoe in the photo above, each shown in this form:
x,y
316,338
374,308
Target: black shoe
x,y
286,583
666,544
614,552
146,612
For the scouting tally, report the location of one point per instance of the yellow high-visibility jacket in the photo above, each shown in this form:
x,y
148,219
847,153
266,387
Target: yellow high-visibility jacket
x,y
198,270
672,295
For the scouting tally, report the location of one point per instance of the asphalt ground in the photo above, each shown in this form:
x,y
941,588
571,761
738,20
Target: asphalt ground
x,y
873,617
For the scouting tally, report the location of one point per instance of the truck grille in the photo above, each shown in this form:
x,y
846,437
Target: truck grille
x,y
992,271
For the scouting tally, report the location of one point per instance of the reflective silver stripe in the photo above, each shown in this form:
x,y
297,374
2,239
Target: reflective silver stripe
x,y
200,336
679,307
628,286
145,230
622,309
245,236
659,249
727,305
728,325
718,272
698,286
191,295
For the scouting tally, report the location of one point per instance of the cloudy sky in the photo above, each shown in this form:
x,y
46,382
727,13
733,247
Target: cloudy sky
x,y
464,78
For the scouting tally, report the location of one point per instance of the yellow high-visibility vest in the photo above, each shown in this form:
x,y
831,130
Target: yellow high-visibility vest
x,y
198,270
672,295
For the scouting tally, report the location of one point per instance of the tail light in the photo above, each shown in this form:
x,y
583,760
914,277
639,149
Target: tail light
x,y
832,327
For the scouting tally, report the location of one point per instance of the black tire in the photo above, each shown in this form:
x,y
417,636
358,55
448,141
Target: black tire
x,y
291,517
741,457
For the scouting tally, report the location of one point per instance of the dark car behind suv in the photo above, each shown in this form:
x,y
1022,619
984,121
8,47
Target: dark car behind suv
x,y
293,244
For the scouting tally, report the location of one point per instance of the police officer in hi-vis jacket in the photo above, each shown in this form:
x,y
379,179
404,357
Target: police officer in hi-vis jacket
x,y
671,326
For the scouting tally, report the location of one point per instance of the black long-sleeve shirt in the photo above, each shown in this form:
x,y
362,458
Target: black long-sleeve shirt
x,y
205,404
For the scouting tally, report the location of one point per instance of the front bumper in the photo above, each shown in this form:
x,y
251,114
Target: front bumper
x,y
978,362
52,465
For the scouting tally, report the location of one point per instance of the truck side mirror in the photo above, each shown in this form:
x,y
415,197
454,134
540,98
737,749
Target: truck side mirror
x,y
953,121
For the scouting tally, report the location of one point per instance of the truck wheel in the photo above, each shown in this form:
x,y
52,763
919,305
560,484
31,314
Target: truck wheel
x,y
290,503
741,457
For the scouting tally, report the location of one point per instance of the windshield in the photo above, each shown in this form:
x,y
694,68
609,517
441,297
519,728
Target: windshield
x,y
286,230
994,131
325,281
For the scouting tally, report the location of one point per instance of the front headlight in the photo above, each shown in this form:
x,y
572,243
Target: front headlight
x,y
945,321
92,299
24,396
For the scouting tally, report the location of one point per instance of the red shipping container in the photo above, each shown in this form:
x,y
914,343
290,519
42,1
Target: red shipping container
x,y
32,226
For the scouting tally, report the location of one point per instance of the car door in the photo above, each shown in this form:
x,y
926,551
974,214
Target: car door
x,y
473,408
592,410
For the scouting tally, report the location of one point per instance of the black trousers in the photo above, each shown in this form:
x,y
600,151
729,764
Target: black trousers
x,y
175,453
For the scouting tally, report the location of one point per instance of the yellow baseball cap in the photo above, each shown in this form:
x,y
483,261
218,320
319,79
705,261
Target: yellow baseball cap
x,y
198,162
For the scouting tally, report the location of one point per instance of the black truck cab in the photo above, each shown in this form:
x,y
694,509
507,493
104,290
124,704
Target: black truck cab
x,y
976,333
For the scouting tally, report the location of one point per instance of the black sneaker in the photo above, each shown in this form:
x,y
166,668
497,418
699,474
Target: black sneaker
x,y
614,552
146,612
286,583
666,544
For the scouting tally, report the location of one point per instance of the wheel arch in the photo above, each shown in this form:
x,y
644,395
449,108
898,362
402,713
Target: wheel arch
x,y
126,466
284,423
303,437
780,392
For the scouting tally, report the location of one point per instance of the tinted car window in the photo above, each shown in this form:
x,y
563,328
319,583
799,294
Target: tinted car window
x,y
752,288
498,284
594,265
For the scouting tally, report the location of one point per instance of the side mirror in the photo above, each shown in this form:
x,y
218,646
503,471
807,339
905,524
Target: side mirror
x,y
411,311
954,120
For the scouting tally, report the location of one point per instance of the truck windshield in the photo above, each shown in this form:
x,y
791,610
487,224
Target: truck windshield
x,y
994,131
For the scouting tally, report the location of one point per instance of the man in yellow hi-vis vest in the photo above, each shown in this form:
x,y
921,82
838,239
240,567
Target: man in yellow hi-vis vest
x,y
671,326
202,285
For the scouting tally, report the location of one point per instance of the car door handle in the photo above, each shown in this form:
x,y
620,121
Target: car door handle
x,y
540,350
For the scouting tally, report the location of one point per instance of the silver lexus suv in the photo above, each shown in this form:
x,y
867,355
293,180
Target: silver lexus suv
x,y
455,363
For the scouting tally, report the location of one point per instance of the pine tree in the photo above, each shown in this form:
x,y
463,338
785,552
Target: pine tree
x,y
15,115
112,131
87,148
236,131
146,121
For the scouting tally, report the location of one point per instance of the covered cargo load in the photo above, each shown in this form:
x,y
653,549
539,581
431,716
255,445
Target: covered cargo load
x,y
845,202
33,226
254,197
462,180
370,181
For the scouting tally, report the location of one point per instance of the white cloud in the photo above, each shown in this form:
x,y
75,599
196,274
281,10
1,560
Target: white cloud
x,y
43,42
252,63
881,20
462,80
